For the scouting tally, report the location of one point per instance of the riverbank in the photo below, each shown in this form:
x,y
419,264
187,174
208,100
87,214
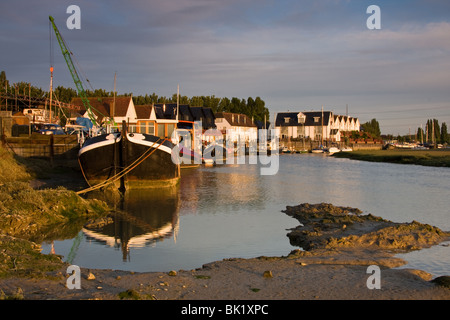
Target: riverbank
x,y
340,248
432,157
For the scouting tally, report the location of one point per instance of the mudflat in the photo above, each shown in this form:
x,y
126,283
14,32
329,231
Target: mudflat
x,y
343,248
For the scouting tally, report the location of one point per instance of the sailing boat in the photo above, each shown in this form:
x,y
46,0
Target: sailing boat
x,y
128,160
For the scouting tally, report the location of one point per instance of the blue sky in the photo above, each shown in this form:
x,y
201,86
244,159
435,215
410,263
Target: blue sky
x,y
295,55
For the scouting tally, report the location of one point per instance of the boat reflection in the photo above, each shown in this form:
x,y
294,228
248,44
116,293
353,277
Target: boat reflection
x,y
141,217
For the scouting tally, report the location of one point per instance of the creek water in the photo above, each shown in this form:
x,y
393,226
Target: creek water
x,y
231,211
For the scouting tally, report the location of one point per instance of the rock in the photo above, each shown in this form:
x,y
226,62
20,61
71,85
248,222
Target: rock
x,y
172,273
268,274
443,281
331,227
90,276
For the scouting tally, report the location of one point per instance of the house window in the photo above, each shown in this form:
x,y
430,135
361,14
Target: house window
x,y
170,128
316,119
161,130
151,128
286,120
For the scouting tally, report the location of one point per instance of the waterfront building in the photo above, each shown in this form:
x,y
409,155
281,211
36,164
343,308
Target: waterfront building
x,y
315,125
119,108
236,126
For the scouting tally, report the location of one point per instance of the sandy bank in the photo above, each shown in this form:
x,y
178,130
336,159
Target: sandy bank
x,y
335,266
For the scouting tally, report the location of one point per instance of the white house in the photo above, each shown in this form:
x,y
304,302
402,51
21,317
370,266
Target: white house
x,y
120,108
316,125
236,126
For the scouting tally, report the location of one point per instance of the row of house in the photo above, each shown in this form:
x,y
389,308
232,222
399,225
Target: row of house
x,y
161,119
315,125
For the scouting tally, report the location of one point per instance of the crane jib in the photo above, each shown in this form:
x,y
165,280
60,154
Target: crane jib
x,y
73,72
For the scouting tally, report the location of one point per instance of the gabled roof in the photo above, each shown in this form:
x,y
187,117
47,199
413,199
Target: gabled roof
x,y
208,113
292,118
236,119
102,106
198,113
143,111
169,111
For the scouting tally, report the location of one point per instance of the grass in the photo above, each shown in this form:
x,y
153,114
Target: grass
x,y
29,216
10,170
433,157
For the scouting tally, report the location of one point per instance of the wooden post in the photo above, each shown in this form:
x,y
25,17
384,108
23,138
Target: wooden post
x,y
52,151
123,154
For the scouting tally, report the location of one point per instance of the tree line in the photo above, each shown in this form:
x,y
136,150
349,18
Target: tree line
x,y
252,107
432,133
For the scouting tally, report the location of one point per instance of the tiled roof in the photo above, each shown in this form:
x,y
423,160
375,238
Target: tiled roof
x,y
102,106
236,119
292,118
143,111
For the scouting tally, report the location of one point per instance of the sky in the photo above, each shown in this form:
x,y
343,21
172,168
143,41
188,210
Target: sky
x,y
295,55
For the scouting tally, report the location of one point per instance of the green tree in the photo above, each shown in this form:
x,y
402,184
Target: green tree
x,y
420,134
224,105
444,133
372,127
3,80
433,130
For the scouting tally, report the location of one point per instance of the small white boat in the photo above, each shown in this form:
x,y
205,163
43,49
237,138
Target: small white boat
x,y
316,150
333,150
346,149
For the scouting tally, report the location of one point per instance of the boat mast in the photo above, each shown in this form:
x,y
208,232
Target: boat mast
x,y
322,127
51,93
114,100
178,102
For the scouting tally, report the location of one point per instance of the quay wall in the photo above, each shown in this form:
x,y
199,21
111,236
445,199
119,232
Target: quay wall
x,y
42,146
309,145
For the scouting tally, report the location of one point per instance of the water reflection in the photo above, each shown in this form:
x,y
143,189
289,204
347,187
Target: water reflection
x,y
141,217
232,211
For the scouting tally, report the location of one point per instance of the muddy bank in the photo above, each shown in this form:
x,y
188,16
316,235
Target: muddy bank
x,y
338,246
341,244
325,226
288,278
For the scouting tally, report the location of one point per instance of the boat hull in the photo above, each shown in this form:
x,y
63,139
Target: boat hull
x,y
131,160
99,158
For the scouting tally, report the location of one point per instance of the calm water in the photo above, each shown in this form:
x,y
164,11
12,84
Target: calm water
x,y
232,211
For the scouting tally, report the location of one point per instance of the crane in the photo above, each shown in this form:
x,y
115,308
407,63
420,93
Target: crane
x,y
76,79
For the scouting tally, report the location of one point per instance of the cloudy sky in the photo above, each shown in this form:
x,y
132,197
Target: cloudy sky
x,y
295,55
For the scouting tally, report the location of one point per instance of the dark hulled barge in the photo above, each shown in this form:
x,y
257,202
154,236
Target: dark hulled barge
x,y
129,160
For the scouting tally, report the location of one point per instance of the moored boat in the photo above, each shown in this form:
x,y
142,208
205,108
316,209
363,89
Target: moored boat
x,y
130,160
333,150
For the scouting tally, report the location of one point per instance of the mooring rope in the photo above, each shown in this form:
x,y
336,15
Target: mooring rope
x,y
119,175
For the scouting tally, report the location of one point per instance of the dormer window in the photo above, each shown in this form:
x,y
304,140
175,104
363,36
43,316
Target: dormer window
x,y
316,119
286,120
